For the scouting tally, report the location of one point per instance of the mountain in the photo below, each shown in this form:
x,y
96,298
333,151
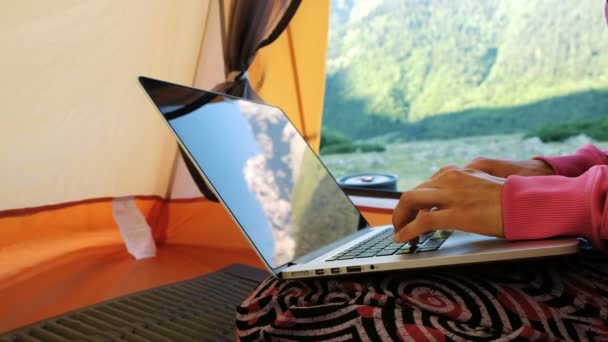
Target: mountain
x,y
401,66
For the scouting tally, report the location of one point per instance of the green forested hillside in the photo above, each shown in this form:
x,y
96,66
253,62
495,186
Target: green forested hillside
x,y
398,68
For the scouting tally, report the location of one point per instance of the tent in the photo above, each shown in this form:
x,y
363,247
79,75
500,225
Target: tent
x,y
83,151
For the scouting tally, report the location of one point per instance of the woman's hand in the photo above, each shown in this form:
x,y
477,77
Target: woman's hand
x,y
505,168
454,198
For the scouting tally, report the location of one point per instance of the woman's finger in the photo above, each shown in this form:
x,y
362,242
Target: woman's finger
x,y
424,223
413,201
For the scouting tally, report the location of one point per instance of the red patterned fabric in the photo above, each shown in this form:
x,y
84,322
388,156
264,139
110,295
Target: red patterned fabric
x,y
549,300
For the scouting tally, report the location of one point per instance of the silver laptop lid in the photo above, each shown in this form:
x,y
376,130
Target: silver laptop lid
x,y
263,171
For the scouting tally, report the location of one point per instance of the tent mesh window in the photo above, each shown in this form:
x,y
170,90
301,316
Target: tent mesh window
x,y
200,309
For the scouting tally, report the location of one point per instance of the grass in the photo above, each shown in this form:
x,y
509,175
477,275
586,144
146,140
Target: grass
x,y
335,143
596,129
416,161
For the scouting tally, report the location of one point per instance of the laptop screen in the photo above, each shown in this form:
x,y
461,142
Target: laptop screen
x,y
263,171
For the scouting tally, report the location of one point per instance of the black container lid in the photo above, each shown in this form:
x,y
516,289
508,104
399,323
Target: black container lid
x,y
370,180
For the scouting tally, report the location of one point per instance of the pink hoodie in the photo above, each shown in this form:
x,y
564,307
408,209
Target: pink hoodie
x,y
572,203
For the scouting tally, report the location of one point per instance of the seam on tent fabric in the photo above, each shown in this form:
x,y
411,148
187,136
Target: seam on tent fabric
x,y
202,43
294,68
171,181
64,205
158,221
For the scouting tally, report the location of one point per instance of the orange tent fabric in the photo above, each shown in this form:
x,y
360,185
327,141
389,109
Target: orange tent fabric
x,y
76,256
44,275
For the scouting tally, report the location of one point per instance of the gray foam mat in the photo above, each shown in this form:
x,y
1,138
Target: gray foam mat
x,y
200,309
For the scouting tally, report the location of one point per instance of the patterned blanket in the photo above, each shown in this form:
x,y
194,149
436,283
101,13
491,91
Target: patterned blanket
x,y
552,299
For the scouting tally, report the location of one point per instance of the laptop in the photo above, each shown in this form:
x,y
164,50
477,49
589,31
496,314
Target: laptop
x,y
287,204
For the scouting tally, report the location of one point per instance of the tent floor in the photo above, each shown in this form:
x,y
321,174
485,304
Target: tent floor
x,y
200,309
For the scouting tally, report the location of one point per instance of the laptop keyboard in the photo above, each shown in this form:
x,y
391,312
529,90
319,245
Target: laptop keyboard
x,y
383,245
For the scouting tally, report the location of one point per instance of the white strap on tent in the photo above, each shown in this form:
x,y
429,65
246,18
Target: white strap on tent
x,y
133,227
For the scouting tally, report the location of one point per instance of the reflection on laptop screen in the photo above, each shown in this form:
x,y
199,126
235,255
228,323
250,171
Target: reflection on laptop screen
x,y
262,169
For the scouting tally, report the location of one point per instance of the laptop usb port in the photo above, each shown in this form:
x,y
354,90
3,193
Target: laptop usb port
x,y
351,269
335,270
319,272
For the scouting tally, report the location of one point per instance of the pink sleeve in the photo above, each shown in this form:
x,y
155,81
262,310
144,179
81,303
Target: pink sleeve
x,y
578,163
541,207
